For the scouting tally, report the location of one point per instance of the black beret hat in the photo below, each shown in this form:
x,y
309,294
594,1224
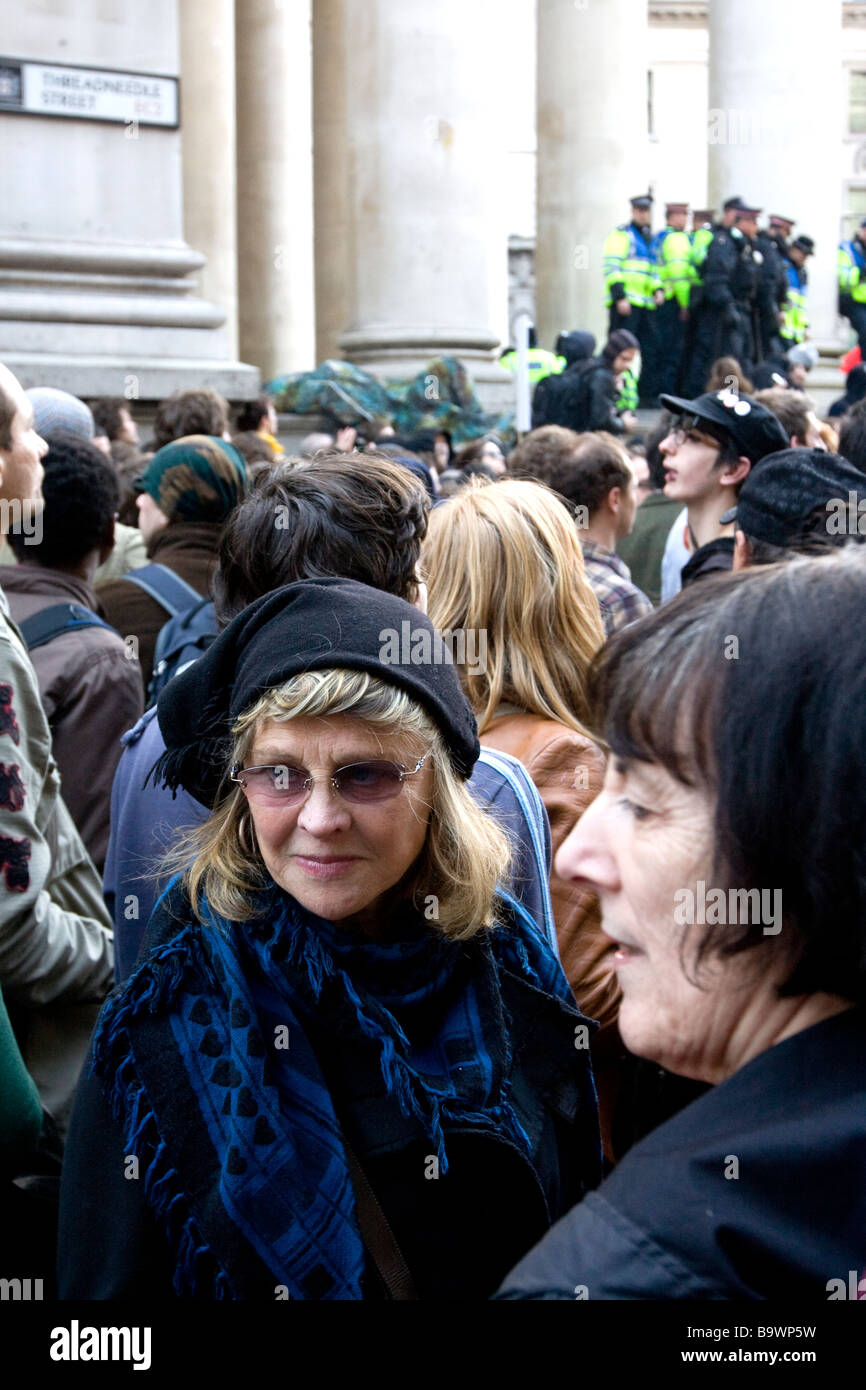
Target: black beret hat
x,y
312,625
783,489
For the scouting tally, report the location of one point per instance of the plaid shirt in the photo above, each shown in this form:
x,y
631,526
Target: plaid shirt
x,y
620,601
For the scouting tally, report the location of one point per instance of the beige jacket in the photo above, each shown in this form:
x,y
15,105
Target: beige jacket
x,y
56,943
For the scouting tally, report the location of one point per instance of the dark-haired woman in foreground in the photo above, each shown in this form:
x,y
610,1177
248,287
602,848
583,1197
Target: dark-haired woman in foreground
x,y
729,855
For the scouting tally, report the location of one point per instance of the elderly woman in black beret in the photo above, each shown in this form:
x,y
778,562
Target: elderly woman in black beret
x,y
728,852
348,1067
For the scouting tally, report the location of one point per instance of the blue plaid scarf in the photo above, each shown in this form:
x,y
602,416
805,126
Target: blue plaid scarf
x,y
218,1017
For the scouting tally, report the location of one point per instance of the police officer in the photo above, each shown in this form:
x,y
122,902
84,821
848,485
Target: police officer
x,y
673,252
779,228
703,231
795,317
727,321
772,288
633,287
701,236
541,362
852,283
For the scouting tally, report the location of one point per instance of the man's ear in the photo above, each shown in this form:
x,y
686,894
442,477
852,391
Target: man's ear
x,y
796,443
736,473
742,551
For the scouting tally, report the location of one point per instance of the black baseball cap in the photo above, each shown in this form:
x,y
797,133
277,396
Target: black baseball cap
x,y
783,489
751,426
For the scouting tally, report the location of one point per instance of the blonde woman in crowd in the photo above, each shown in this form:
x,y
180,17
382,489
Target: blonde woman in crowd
x,y
504,561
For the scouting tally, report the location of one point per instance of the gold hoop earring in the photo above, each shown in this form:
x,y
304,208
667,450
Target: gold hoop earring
x,y
250,848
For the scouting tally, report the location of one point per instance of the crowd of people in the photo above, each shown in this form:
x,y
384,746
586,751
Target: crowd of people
x,y
433,871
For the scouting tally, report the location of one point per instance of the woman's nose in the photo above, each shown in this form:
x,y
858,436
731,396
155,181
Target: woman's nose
x,y
585,855
324,810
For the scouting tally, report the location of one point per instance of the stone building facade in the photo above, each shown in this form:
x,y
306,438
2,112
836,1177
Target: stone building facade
x,y
387,179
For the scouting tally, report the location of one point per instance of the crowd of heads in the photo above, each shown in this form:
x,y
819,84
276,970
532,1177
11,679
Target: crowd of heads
x,y
521,547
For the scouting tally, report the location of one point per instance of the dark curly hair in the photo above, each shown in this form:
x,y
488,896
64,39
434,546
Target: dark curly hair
x,y
81,494
107,414
357,516
203,411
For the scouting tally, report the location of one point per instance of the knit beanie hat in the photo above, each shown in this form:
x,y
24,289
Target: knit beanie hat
x,y
197,478
619,341
312,625
57,410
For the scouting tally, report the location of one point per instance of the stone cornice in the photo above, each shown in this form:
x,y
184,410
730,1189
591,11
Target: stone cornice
x,y
679,12
694,12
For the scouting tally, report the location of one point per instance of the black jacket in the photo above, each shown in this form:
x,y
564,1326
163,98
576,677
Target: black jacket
x,y
755,1191
595,399
717,555
554,399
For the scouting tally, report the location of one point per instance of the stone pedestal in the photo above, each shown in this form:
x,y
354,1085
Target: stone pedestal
x,y
275,185
427,256
96,294
776,112
592,151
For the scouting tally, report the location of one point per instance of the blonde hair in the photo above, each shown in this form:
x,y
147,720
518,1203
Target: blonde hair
x,y
465,854
504,559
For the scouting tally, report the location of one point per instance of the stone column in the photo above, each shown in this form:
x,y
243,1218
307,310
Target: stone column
x,y
275,185
330,176
592,151
428,255
776,101
96,288
207,57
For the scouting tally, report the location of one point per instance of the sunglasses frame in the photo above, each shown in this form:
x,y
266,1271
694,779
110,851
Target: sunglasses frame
x,y
698,425
236,773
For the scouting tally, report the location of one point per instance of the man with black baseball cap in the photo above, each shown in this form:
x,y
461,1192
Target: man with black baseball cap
x,y
797,502
713,443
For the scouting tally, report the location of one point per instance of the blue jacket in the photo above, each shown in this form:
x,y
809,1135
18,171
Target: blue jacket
x,y
147,820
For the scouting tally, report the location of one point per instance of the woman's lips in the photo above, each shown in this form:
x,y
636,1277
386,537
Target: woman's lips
x,y
324,866
624,954
623,951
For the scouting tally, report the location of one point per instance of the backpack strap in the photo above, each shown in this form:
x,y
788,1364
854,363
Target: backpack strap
x,y
377,1234
41,627
168,589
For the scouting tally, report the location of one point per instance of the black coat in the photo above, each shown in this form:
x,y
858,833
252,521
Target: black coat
x,y
732,273
595,398
715,556
755,1191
